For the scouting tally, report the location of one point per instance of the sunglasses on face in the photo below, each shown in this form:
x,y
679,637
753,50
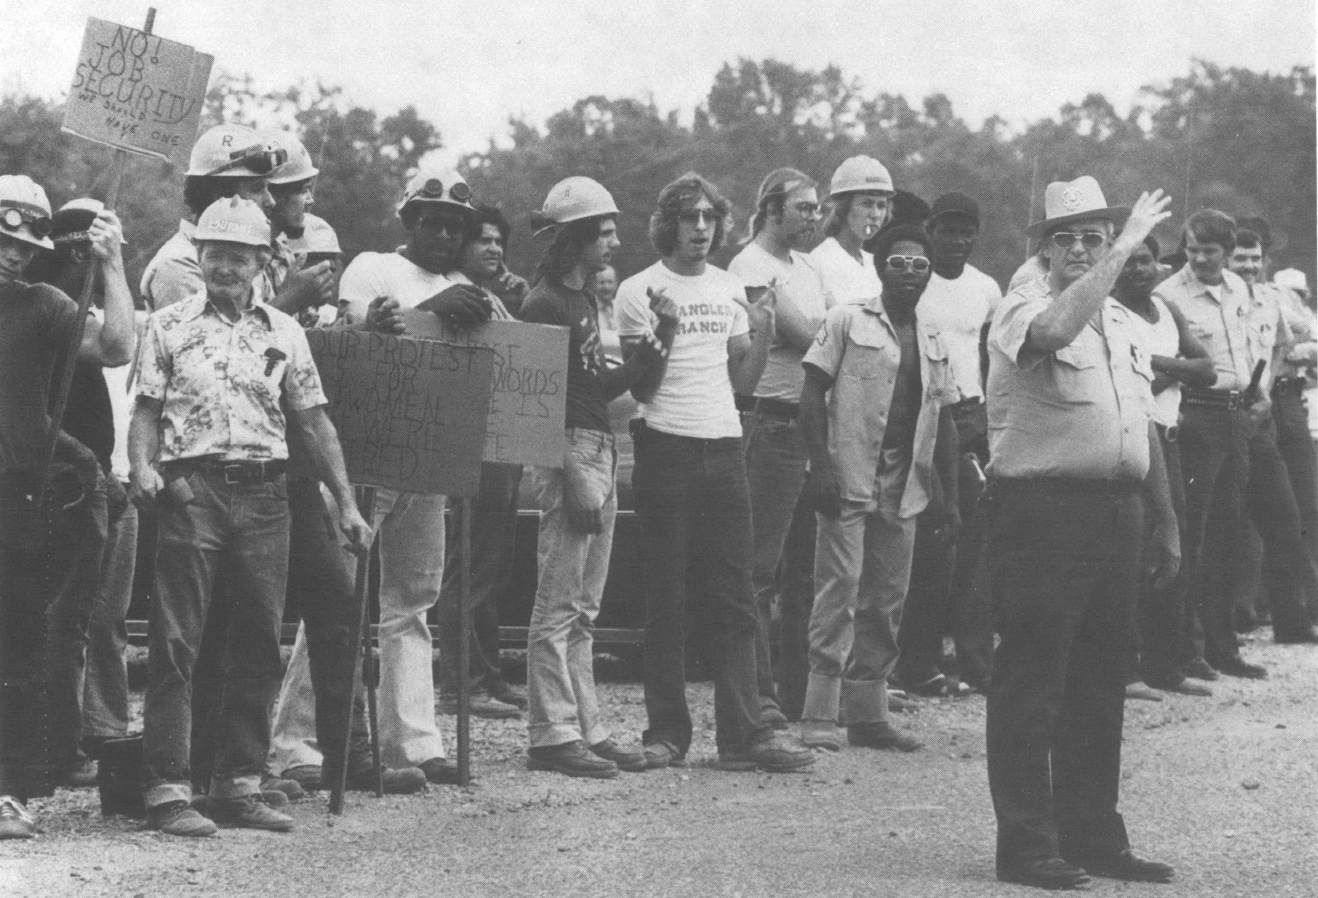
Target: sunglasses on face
x,y
807,210
14,216
695,216
449,224
257,159
1089,239
918,264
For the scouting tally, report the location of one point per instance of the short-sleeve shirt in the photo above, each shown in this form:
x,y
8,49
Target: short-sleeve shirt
x,y
174,274
1219,317
1082,411
859,349
846,279
552,303
957,309
1301,324
694,398
224,385
800,284
372,275
36,321
1163,338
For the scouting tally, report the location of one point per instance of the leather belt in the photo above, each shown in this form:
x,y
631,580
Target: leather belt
x,y
776,408
967,403
1065,486
1227,399
234,472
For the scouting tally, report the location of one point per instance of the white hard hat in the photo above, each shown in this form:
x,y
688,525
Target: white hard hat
x,y
437,185
317,237
860,173
298,167
573,199
1293,279
233,220
233,151
25,211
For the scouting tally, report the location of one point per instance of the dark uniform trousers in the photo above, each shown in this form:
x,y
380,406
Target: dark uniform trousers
x,y
1064,580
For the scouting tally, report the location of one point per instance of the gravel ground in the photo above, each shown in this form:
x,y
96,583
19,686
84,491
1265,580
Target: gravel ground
x,y
1222,787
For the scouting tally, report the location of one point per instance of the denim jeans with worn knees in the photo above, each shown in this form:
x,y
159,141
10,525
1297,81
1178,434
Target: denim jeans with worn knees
x,y
573,567
775,473
692,497
239,532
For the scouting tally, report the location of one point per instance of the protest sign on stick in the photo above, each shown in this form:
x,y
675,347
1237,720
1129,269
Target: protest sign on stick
x,y
528,404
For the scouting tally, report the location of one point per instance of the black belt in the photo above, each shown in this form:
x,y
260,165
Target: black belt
x,y
967,403
1289,386
1065,486
744,403
1227,399
234,472
776,408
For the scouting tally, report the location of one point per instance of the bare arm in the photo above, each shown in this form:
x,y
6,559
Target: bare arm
x,y
110,343
1166,538
322,444
1194,368
1061,322
795,327
143,448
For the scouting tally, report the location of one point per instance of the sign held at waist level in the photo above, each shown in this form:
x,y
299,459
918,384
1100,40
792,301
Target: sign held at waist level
x,y
137,91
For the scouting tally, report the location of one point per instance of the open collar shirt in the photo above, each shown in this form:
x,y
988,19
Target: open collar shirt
x,y
222,383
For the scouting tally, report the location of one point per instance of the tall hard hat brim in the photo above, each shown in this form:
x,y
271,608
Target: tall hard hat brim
x,y
25,236
438,201
301,176
571,218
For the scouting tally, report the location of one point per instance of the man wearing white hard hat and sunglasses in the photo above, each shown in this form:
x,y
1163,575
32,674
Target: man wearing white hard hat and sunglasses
x,y
49,555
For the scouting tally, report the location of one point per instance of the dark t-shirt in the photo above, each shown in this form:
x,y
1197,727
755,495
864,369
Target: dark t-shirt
x,y
550,303
89,417
35,323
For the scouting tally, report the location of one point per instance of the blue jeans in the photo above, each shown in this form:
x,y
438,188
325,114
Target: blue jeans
x,y
775,472
572,569
105,669
692,500
239,532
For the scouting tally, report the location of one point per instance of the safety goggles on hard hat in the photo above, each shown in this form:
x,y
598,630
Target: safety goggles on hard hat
x,y
15,215
259,159
433,189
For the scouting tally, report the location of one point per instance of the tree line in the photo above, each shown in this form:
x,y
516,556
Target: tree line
x,y
1229,138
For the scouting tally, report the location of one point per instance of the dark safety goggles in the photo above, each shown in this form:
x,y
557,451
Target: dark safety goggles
x,y
15,215
918,264
1089,239
258,159
433,189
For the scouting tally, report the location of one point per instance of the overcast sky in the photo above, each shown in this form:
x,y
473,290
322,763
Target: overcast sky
x,y
1021,59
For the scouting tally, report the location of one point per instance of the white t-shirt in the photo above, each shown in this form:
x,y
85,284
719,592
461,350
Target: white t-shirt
x,y
694,398
1165,340
845,279
386,274
800,284
957,309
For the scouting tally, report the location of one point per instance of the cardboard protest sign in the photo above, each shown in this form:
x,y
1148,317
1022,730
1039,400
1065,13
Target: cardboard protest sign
x,y
528,404
410,413
137,91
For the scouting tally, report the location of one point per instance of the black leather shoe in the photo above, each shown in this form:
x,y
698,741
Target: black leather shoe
x,y
1239,667
1124,864
1050,873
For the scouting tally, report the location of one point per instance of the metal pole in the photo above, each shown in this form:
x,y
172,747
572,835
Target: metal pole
x,y
366,506
464,651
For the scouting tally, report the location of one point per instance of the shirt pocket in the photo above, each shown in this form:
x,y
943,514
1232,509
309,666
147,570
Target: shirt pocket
x,y
1075,374
865,358
942,385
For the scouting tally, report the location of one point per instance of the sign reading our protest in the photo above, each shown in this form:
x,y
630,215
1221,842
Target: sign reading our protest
x,y
137,91
410,413
528,404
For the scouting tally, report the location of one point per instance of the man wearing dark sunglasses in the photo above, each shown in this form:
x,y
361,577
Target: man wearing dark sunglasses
x,y
784,226
876,379
49,554
1073,450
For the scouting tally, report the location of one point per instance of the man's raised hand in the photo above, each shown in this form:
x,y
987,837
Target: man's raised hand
x,y
1150,210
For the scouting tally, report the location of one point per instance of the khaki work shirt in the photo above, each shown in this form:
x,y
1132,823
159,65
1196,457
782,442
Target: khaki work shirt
x,y
1223,318
858,347
1082,411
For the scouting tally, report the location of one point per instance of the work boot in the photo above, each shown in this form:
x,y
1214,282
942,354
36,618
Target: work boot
x,y
248,812
821,734
630,759
177,818
571,759
881,734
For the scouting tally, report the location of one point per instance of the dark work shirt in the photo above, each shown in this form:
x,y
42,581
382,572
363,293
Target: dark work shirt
x,y
551,303
89,418
35,323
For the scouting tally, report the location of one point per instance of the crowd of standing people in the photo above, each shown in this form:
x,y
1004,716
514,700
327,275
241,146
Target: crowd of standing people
x,y
1090,484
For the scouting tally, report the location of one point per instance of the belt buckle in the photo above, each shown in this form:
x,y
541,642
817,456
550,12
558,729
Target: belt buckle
x,y
233,475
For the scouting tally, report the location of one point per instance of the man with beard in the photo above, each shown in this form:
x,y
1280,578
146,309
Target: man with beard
x,y
784,223
876,379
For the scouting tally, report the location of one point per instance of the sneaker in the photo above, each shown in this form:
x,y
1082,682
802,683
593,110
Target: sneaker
x,y
632,760
15,821
508,694
1199,669
440,771
881,735
178,818
663,754
291,788
396,780
248,812
481,704
571,759
308,776
772,754
1140,692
